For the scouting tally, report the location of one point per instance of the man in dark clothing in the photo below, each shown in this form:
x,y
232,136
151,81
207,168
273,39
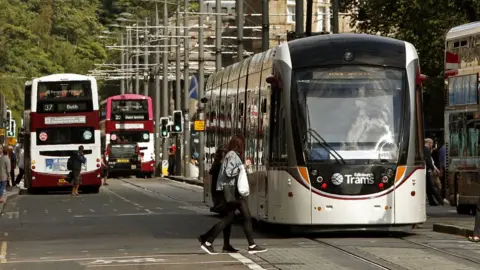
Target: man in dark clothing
x,y
432,195
77,160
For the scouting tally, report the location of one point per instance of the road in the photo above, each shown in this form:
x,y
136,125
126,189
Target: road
x,y
154,224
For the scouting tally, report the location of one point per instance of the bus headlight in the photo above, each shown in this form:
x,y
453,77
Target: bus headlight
x,y
87,135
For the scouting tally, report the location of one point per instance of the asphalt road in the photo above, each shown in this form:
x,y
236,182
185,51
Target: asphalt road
x,y
153,224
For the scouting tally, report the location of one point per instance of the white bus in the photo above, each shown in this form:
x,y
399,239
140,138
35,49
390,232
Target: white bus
x,y
335,136
60,114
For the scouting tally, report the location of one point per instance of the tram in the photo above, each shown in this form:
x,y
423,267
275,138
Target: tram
x,y
334,131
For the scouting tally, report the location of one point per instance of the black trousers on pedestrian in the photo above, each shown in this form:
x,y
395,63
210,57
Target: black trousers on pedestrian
x,y
19,176
476,229
226,223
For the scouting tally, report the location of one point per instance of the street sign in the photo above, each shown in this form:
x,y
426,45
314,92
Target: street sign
x,y
11,141
199,125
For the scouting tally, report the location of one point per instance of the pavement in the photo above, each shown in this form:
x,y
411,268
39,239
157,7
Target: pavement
x,y
189,180
446,220
153,224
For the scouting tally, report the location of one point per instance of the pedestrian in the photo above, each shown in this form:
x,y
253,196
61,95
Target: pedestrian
x,y
4,172
228,176
104,170
217,195
476,230
77,160
21,168
13,165
432,195
172,152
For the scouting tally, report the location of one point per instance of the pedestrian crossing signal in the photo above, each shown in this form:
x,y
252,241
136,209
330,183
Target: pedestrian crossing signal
x,y
164,127
177,122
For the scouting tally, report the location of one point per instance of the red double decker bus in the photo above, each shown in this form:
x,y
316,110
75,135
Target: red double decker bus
x,y
60,114
128,118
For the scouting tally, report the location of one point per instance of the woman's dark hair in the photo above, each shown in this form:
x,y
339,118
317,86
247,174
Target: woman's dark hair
x,y
5,151
237,144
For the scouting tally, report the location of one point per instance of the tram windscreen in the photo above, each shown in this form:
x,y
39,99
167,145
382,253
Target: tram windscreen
x,y
354,108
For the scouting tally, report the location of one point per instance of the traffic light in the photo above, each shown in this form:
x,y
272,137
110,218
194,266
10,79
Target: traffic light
x,y
177,122
164,127
8,120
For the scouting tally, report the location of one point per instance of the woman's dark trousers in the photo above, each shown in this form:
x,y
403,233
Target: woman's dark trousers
x,y
226,223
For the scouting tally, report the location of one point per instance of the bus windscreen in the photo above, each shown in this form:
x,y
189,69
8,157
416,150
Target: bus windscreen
x,y
64,96
129,109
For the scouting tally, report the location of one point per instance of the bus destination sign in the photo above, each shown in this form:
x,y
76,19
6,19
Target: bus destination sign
x,y
129,116
64,107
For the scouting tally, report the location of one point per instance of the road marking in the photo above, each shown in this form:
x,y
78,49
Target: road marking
x,y
12,215
3,252
247,262
118,215
136,260
50,259
166,263
124,199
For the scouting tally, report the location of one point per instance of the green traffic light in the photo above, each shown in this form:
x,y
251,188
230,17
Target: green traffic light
x,y
177,128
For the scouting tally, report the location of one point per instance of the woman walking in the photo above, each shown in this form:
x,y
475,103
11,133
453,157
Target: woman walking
x,y
228,183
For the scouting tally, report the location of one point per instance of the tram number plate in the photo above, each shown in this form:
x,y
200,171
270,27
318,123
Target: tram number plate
x,y
123,161
62,181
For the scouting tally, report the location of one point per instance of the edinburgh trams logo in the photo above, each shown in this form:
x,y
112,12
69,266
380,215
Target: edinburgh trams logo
x,y
356,179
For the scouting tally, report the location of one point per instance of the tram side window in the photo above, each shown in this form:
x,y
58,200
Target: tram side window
x,y
464,135
277,129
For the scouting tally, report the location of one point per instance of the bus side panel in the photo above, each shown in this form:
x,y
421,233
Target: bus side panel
x,y
285,209
410,201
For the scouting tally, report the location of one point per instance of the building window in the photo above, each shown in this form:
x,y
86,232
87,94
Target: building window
x,y
323,19
290,11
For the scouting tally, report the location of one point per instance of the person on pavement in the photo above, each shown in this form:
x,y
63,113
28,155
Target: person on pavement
x,y
228,176
104,170
431,191
476,229
4,172
21,168
78,159
13,165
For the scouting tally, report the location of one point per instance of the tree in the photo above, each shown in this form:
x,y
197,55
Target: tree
x,y
424,23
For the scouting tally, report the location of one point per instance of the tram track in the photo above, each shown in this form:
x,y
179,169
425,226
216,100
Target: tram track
x,y
380,263
356,256
440,250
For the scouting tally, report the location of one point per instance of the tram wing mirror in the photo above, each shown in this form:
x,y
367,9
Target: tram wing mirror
x,y
271,80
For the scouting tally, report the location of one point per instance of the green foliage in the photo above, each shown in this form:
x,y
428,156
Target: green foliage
x,y
40,37
424,23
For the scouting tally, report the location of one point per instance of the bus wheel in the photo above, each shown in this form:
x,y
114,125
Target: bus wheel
x,y
32,191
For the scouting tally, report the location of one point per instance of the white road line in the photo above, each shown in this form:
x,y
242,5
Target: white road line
x,y
50,259
118,215
247,262
164,263
123,198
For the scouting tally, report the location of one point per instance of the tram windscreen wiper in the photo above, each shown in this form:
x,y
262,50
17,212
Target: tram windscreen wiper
x,y
325,145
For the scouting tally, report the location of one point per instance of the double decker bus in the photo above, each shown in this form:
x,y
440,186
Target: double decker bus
x,y
333,128
129,118
462,122
60,114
